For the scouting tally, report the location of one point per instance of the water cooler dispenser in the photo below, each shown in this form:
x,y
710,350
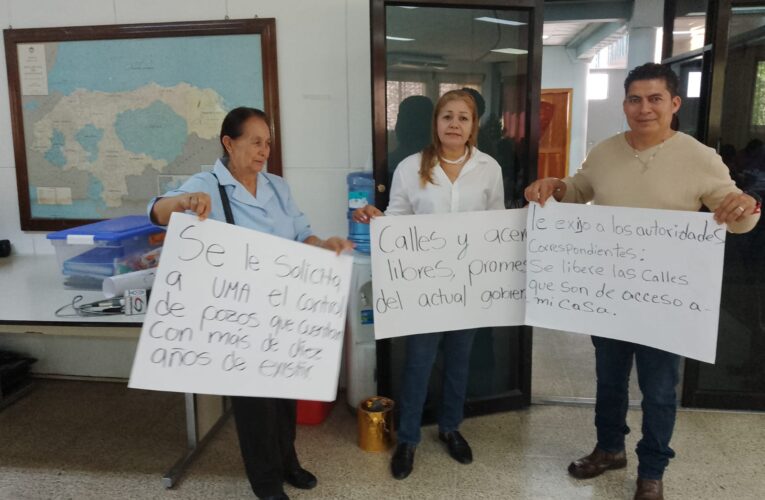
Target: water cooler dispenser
x,y
361,192
360,351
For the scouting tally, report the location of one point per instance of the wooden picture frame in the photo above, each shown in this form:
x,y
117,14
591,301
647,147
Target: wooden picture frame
x,y
174,47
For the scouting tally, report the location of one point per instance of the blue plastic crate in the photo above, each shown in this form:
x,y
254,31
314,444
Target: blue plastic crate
x,y
88,254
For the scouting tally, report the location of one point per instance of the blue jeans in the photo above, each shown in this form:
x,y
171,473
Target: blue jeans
x,y
421,353
657,376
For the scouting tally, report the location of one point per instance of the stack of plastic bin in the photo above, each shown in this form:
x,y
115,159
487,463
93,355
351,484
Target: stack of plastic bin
x,y
89,254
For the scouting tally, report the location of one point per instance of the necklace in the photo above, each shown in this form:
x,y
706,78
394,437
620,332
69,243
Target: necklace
x,y
636,154
458,160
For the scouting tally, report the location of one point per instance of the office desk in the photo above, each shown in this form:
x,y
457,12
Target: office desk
x,y
31,289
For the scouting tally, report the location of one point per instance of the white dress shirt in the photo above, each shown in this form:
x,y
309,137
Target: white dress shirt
x,y
479,186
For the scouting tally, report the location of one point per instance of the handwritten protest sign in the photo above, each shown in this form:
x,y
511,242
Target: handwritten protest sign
x,y
646,276
433,273
238,312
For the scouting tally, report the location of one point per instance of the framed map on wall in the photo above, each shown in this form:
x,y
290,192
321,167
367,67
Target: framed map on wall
x,y
105,118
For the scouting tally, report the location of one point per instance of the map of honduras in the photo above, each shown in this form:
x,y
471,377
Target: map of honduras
x,y
125,120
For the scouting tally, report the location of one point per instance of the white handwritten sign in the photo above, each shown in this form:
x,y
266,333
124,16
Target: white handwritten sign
x,y
433,273
238,312
647,276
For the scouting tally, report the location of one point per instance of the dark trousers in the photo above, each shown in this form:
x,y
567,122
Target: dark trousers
x,y
421,353
266,428
657,376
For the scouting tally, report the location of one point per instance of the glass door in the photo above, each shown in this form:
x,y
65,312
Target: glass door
x,y
733,109
420,50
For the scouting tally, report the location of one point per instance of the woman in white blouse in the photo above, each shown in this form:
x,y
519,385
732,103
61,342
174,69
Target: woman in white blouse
x,y
449,175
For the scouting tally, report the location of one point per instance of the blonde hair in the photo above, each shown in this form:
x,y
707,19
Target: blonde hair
x,y
432,152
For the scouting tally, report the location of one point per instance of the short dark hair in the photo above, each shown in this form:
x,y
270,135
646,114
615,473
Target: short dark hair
x,y
232,123
653,71
480,103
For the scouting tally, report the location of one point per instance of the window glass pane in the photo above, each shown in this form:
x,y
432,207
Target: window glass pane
x,y
740,365
597,86
758,108
688,71
447,48
693,87
745,20
613,55
443,88
397,92
430,50
689,30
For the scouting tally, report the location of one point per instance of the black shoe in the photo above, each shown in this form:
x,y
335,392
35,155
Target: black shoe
x,y
459,449
281,496
402,461
301,478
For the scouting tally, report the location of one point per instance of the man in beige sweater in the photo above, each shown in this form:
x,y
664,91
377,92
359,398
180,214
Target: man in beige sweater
x,y
649,166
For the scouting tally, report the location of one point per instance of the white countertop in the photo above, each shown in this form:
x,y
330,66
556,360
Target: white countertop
x,y
32,288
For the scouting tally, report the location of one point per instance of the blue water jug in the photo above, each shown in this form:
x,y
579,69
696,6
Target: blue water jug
x,y
361,192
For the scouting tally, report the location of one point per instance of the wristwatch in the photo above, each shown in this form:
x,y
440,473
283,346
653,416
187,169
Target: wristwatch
x,y
758,199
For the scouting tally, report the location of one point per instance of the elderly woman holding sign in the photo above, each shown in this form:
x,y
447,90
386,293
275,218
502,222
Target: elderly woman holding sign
x,y
449,175
239,191
649,166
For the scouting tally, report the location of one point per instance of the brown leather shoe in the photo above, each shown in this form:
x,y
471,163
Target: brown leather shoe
x,y
649,489
596,463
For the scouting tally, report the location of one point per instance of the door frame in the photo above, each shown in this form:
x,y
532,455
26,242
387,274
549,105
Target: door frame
x,y
520,396
715,56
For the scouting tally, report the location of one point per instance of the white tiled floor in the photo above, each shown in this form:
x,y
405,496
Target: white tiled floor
x,y
563,367
87,440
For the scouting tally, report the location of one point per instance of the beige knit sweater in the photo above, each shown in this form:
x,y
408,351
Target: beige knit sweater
x,y
679,174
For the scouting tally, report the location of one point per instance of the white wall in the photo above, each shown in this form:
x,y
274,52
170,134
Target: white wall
x,y
324,91
559,70
324,77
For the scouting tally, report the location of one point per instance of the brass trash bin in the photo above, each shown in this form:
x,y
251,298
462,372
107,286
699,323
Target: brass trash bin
x,y
375,419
